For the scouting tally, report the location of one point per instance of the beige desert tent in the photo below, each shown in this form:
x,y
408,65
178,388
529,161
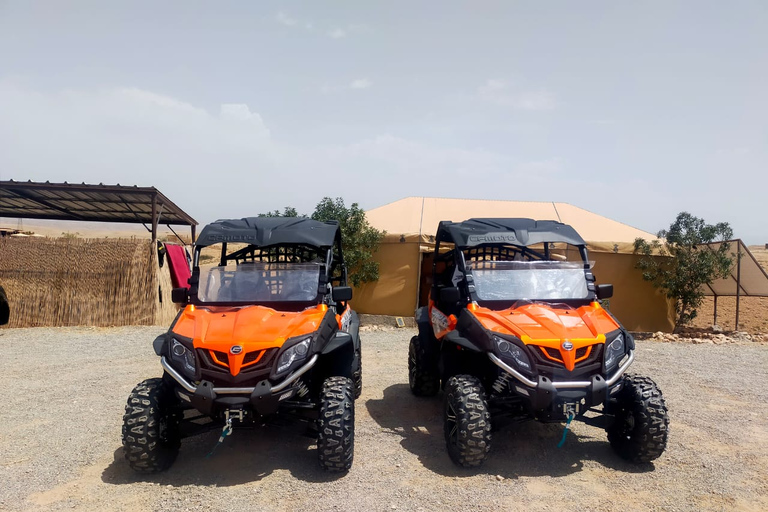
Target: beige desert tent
x,y
405,255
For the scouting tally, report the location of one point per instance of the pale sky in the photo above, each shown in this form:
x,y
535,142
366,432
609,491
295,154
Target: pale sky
x,y
633,110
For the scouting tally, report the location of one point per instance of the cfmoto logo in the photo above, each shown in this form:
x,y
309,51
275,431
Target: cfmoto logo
x,y
236,349
567,345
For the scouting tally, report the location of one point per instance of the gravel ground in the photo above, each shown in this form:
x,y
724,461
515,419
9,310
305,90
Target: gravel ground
x,y
65,390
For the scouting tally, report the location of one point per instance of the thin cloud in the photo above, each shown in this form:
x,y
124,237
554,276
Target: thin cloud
x,y
140,137
492,86
349,30
337,32
499,92
361,83
355,85
286,20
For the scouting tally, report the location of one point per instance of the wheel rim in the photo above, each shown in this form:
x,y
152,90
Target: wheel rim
x,y
627,424
411,366
450,418
162,429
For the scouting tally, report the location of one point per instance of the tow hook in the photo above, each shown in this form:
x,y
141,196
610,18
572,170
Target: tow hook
x,y
229,416
570,411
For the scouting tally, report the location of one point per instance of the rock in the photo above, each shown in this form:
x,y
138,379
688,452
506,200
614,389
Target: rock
x,y
499,478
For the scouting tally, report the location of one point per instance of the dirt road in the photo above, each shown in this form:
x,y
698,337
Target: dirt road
x,y
64,391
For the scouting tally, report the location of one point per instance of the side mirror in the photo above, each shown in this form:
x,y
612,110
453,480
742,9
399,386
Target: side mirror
x,y
604,291
179,296
342,293
450,295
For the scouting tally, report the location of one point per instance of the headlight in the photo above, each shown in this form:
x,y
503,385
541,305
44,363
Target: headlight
x,y
295,353
184,357
513,352
614,351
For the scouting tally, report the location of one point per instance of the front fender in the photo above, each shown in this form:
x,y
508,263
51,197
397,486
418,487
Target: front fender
x,y
338,341
457,339
161,344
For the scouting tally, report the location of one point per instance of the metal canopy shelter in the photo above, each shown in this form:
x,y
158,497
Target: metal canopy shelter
x,y
92,203
747,279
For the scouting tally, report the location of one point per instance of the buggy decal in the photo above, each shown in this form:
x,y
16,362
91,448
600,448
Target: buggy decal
x,y
458,275
345,320
441,324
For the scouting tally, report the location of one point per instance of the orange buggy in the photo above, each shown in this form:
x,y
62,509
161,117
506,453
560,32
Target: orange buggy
x,y
265,332
516,329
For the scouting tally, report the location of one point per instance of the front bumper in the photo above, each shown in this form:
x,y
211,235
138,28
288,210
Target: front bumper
x,y
264,397
542,393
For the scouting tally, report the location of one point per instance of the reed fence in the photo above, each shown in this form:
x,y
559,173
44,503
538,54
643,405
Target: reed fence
x,y
88,282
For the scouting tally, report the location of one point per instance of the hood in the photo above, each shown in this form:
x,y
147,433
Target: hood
x,y
252,327
548,327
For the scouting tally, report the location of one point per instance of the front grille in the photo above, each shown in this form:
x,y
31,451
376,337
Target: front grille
x,y
258,360
553,353
220,358
548,358
250,357
207,362
253,361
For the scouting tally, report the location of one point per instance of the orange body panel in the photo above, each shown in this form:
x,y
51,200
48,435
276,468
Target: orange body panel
x,y
547,327
254,328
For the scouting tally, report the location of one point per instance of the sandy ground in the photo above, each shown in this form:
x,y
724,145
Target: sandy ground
x,y
65,390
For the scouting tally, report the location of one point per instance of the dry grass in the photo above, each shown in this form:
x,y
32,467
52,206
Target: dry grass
x,y
68,282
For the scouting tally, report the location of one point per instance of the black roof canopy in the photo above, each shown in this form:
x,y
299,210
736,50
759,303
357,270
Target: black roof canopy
x,y
85,202
521,232
269,231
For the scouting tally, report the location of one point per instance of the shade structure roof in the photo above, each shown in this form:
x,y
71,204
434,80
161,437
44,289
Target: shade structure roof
x,y
747,275
85,202
421,215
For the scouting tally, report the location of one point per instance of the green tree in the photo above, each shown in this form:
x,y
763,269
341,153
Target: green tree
x,y
688,264
359,239
288,211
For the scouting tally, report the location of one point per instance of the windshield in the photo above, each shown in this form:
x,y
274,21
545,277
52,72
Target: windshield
x,y
260,282
532,280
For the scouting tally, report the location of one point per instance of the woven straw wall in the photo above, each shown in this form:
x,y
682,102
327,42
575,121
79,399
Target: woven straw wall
x,y
68,282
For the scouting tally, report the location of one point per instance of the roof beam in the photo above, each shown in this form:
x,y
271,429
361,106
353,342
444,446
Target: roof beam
x,y
43,202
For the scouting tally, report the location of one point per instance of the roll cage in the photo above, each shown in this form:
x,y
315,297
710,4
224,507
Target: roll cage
x,y
276,241
458,244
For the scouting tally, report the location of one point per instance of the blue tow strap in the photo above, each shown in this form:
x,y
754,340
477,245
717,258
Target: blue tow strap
x,y
224,433
565,431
